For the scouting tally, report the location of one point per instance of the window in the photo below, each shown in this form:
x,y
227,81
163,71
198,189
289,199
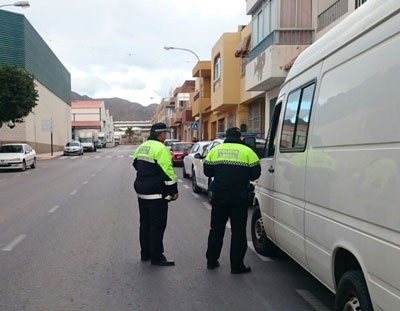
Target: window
x,y
257,117
221,125
244,62
217,67
195,148
264,22
297,119
359,3
231,120
296,13
270,143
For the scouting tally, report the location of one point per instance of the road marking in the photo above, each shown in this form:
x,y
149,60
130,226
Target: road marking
x,y
73,192
97,157
207,205
228,224
54,209
93,175
85,157
180,180
85,182
108,157
121,156
74,158
15,176
312,300
63,157
186,186
14,243
195,195
27,173
263,258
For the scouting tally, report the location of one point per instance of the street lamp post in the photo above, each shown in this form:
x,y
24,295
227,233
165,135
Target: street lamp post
x,y
201,87
21,4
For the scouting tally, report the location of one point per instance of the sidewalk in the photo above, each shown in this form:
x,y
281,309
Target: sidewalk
x,y
47,156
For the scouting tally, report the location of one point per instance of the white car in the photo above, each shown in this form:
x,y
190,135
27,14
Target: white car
x,y
188,160
73,147
199,180
17,156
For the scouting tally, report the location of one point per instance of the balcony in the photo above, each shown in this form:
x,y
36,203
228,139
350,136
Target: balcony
x,y
187,115
206,103
178,118
205,67
265,69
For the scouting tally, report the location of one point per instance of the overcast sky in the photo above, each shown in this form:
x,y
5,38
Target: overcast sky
x,y
114,48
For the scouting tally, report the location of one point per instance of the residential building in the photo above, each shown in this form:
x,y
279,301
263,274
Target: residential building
x,y
332,12
202,71
183,110
92,115
281,30
165,112
22,46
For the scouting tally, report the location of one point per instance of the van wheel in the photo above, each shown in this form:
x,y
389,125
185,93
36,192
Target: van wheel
x,y
352,293
262,244
184,172
195,188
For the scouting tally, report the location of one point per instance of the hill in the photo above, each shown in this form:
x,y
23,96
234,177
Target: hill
x,y
122,109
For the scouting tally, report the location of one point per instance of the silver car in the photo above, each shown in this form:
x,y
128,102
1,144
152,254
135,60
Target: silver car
x,y
73,147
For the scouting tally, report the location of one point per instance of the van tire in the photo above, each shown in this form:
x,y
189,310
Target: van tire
x,y
262,244
352,293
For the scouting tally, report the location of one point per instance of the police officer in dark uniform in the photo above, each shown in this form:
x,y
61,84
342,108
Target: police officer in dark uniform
x,y
155,186
232,164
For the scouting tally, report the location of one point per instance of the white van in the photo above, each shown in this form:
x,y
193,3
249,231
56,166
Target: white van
x,y
329,193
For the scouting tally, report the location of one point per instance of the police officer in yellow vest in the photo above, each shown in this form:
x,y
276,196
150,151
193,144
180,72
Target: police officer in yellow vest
x,y
232,164
155,186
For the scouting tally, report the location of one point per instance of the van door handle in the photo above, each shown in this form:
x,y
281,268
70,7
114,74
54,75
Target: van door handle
x,y
271,170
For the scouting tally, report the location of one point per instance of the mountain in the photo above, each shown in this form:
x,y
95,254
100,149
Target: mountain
x,y
122,109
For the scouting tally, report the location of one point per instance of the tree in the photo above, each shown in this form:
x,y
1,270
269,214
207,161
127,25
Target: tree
x,y
18,95
129,132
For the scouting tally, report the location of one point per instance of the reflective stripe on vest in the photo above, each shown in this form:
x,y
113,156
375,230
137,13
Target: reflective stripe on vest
x,y
146,159
149,196
170,182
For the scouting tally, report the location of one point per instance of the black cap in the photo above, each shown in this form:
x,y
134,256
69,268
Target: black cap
x,y
233,132
159,127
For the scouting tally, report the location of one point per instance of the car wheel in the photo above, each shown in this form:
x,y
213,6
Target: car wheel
x,y
195,188
184,172
352,293
262,244
23,166
33,165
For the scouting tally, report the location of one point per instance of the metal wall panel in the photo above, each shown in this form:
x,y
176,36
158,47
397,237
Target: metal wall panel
x,y
12,51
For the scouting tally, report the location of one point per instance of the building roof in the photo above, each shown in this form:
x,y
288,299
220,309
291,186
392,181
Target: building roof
x,y
87,104
86,123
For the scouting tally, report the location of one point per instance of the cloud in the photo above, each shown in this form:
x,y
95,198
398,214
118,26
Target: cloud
x,y
115,48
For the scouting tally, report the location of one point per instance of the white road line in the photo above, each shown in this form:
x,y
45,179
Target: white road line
x,y
52,210
121,156
195,195
263,258
97,157
14,243
186,186
27,173
73,192
85,157
74,158
312,300
93,175
108,157
85,182
64,157
180,180
228,224
206,205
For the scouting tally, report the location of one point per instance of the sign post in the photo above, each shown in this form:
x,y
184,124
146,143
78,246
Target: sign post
x,y
194,126
47,126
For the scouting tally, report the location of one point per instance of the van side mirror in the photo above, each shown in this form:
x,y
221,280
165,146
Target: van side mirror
x,y
250,141
198,156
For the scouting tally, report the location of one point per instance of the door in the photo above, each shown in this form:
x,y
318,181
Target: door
x,y
265,185
290,172
213,130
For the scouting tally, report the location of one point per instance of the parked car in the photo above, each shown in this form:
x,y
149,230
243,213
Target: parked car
x,y
99,144
73,147
169,142
17,156
188,160
328,194
179,150
201,182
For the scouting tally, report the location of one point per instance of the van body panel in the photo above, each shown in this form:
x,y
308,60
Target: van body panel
x,y
343,190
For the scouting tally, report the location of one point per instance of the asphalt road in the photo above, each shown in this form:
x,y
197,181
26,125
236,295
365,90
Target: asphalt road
x,y
69,241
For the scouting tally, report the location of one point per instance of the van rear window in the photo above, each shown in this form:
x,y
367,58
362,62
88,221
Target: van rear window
x,y
297,119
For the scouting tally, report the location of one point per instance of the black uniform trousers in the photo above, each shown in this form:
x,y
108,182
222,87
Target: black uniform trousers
x,y
227,206
153,221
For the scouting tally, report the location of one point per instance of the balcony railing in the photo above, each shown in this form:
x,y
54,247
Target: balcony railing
x,y
283,37
336,10
205,95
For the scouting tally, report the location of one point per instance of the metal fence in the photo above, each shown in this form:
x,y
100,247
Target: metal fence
x,y
331,14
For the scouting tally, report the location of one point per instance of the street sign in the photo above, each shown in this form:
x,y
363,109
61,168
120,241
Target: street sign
x,y
47,125
194,126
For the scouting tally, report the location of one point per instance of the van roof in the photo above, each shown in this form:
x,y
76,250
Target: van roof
x,y
361,20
